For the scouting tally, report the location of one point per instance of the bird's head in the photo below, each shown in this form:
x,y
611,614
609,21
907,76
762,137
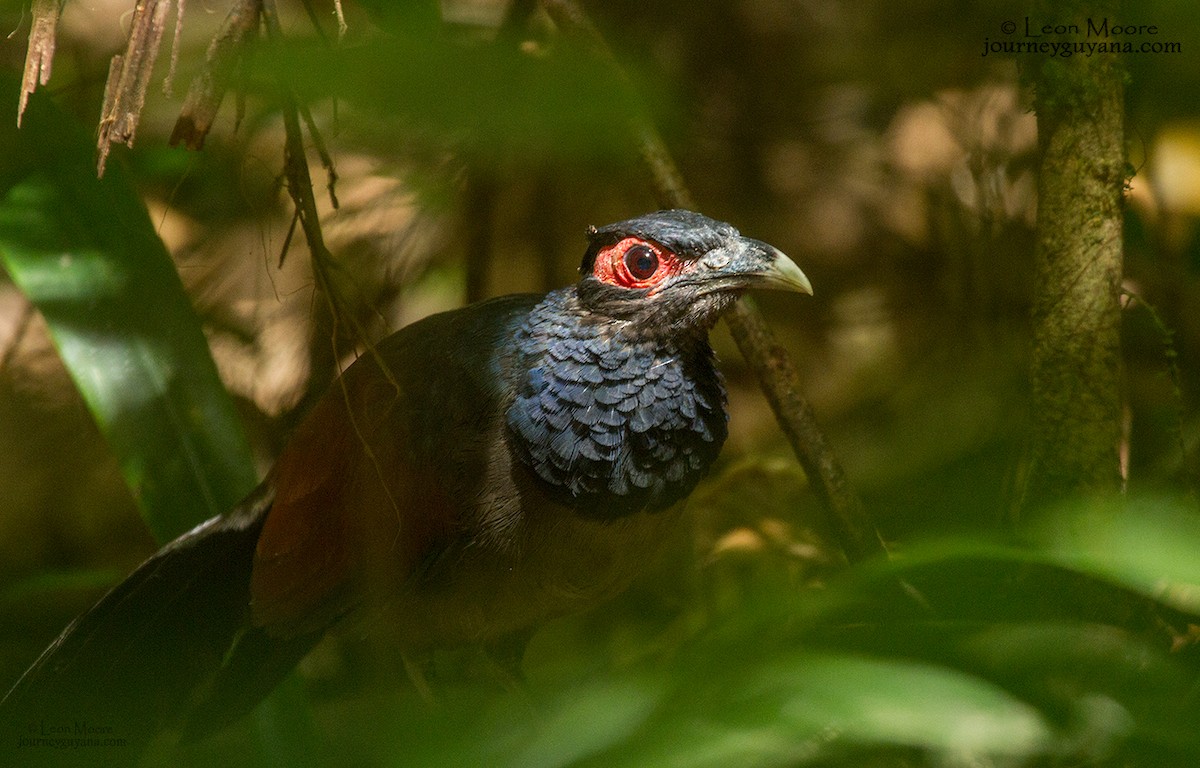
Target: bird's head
x,y
676,270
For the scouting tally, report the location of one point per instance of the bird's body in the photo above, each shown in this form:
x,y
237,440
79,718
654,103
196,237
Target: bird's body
x,y
481,471
478,565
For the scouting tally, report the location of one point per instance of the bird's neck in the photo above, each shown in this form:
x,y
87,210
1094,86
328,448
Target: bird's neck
x,y
611,420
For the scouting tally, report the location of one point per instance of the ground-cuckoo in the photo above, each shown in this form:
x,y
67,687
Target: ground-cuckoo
x,y
489,468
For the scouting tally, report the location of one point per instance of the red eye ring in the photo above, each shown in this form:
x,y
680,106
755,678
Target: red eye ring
x,y
635,263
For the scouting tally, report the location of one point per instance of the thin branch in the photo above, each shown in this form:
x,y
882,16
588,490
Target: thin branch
x,y
770,362
300,189
322,152
1175,376
305,113
299,183
781,384
287,238
315,21
169,80
343,27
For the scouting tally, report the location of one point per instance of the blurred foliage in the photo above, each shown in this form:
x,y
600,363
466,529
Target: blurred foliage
x,y
993,653
873,143
562,105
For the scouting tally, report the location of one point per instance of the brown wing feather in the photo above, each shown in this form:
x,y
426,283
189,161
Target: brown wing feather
x,y
352,516
362,505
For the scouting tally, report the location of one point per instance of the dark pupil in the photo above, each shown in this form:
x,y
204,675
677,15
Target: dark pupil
x,y
641,261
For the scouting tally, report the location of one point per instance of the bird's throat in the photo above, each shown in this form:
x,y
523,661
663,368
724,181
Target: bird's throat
x,y
610,421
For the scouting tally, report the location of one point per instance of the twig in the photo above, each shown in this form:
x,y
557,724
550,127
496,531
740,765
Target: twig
x,y
315,21
777,375
169,80
300,188
771,364
1175,376
322,152
343,27
299,184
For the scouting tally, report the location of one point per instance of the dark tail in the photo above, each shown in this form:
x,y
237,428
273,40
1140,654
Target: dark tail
x,y
157,649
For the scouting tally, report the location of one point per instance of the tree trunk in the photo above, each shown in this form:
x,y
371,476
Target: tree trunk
x,y
1076,360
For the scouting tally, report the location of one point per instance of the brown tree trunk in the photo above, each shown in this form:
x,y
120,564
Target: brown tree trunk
x,y
1076,358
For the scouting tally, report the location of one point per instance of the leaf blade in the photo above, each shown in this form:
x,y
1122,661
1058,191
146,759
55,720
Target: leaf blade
x,y
85,252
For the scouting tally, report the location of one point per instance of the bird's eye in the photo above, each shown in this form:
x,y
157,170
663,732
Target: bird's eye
x,y
636,263
641,262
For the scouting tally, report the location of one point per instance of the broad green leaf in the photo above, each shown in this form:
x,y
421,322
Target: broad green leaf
x,y
798,707
887,701
588,720
1103,683
1149,545
85,252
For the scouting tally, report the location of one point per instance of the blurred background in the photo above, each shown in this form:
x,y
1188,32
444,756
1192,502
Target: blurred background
x,y
873,142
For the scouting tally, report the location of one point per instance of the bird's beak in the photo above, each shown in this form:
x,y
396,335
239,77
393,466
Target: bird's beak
x,y
780,272
754,264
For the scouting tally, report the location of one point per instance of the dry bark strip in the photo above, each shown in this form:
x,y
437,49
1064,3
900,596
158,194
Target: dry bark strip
x,y
39,56
228,48
129,78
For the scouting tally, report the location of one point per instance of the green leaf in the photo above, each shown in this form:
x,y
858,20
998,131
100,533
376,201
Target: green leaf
x,y
1104,685
1149,545
797,707
85,252
883,701
588,720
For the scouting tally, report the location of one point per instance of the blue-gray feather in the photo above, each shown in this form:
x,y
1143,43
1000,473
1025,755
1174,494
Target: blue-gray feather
x,y
612,422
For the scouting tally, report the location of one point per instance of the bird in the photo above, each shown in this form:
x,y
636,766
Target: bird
x,y
487,469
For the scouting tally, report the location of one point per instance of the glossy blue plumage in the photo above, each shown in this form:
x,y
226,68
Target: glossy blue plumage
x,y
612,420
